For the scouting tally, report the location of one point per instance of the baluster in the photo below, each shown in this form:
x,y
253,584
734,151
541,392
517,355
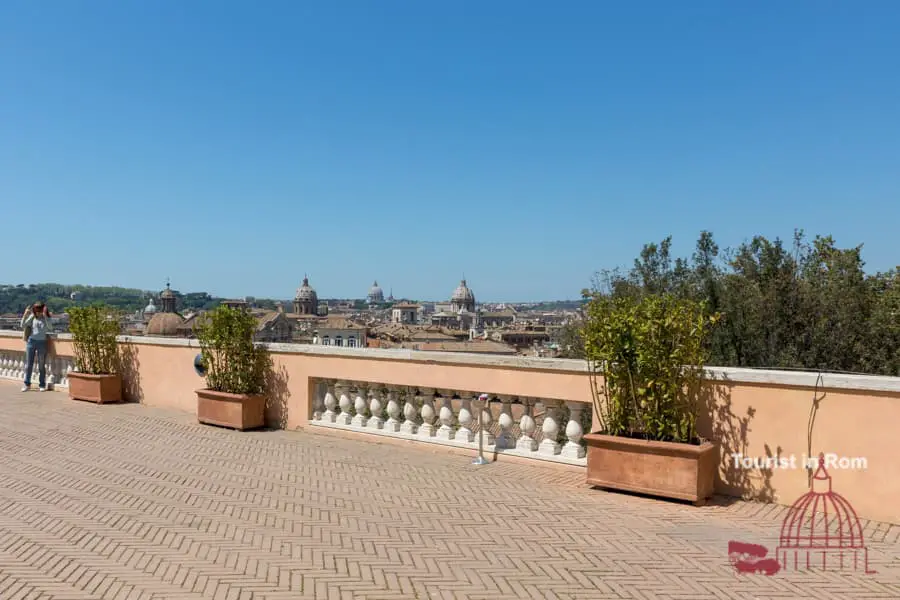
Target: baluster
x,y
344,418
393,410
550,429
527,442
51,372
426,429
409,426
375,405
574,432
329,416
505,439
318,401
4,366
69,369
445,432
359,419
465,433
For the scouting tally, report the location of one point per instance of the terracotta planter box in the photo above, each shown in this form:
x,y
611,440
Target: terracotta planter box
x,y
101,389
237,411
666,469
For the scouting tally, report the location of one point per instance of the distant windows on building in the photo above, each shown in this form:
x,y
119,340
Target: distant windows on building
x,y
326,341
338,340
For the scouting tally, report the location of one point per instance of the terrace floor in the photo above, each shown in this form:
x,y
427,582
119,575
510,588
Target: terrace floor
x,y
128,501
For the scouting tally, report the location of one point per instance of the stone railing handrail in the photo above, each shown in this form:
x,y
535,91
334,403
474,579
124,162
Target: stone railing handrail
x,y
810,379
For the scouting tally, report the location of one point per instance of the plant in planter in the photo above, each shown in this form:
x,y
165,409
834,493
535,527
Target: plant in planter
x,y
236,370
97,377
646,357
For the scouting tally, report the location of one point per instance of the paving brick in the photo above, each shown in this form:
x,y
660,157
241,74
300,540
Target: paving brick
x,y
134,502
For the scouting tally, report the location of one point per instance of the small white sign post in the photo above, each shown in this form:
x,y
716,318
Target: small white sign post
x,y
483,405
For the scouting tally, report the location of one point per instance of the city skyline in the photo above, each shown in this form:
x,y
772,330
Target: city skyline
x,y
154,292
234,147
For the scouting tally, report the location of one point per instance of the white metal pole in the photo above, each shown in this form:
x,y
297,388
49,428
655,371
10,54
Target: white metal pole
x,y
480,459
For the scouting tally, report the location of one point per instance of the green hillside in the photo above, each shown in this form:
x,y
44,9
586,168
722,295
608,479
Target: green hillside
x,y
14,298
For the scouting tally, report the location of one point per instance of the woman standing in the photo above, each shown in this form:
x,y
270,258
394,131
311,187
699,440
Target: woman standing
x,y
36,325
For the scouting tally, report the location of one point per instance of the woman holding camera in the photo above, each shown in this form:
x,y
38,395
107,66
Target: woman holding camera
x,y
36,325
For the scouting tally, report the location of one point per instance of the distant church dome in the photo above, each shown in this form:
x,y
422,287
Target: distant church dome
x,y
168,300
306,301
150,308
463,298
164,324
305,291
376,294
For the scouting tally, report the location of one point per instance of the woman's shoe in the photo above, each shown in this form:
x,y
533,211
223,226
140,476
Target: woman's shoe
x,y
25,388
42,389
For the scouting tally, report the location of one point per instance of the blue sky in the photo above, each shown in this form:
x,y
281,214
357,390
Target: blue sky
x,y
234,146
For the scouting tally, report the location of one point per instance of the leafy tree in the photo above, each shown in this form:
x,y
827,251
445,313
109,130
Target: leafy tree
x,y
807,304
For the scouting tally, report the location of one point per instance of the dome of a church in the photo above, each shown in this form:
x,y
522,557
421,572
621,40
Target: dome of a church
x,y
164,324
150,308
167,293
305,291
462,294
376,294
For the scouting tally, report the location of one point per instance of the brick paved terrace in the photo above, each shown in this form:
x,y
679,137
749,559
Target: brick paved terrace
x,y
139,502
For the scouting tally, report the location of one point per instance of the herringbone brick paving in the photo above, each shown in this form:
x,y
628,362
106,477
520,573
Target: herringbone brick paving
x,y
131,502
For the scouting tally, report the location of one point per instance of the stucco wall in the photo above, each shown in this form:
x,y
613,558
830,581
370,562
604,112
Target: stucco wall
x,y
752,412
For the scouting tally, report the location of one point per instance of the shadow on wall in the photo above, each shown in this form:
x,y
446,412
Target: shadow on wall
x,y
721,424
277,395
130,367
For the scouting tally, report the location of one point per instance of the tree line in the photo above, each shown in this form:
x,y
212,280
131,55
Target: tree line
x,y
803,305
15,298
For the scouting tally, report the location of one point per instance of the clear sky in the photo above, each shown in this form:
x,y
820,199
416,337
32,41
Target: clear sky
x,y
236,146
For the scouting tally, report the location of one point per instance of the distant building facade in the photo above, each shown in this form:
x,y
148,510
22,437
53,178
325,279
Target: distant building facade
x,y
337,331
405,313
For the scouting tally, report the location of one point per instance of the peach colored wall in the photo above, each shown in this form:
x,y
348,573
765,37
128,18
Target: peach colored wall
x,y
166,377
770,420
751,418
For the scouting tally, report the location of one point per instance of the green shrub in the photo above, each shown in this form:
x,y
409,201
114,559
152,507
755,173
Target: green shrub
x,y
94,330
646,356
233,363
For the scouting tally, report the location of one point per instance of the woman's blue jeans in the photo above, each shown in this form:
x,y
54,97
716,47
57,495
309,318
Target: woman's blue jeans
x,y
36,350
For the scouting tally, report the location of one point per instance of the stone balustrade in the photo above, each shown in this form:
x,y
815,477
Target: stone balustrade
x,y
537,428
12,366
